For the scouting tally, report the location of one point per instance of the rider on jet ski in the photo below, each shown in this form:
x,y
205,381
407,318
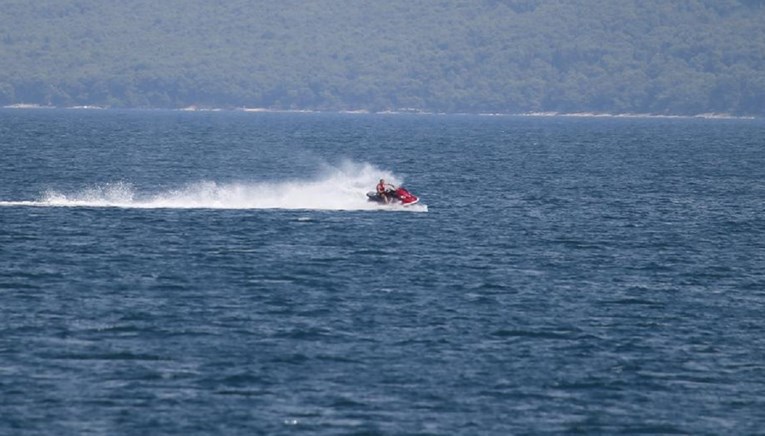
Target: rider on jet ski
x,y
385,190
385,193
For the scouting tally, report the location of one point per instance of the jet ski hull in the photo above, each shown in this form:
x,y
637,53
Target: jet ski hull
x,y
400,196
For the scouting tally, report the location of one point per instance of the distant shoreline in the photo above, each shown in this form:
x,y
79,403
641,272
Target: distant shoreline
x,y
540,114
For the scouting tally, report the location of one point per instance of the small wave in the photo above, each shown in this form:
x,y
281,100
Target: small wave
x,y
339,188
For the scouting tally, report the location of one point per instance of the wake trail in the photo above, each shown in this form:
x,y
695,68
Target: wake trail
x,y
340,188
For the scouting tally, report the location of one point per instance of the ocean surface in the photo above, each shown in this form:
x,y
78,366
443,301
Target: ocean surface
x,y
221,273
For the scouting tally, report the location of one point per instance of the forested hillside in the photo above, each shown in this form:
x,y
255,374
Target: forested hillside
x,y
639,56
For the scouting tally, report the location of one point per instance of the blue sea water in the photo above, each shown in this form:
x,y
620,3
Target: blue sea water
x,y
203,273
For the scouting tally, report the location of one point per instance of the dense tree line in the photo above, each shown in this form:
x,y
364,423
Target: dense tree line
x,y
640,56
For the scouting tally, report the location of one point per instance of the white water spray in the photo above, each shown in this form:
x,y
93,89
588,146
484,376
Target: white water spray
x,y
338,188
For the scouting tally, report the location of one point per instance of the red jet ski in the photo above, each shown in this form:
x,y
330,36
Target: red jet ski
x,y
395,196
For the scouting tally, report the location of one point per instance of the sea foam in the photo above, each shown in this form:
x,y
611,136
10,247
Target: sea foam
x,y
342,187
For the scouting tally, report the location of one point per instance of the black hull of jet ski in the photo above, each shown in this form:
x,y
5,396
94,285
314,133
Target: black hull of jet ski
x,y
400,196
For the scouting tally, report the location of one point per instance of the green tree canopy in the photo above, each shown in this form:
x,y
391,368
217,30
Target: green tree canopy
x,y
641,56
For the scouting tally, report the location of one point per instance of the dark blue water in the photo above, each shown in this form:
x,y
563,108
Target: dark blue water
x,y
198,273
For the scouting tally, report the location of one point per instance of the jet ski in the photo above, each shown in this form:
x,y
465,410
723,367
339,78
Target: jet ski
x,y
395,196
